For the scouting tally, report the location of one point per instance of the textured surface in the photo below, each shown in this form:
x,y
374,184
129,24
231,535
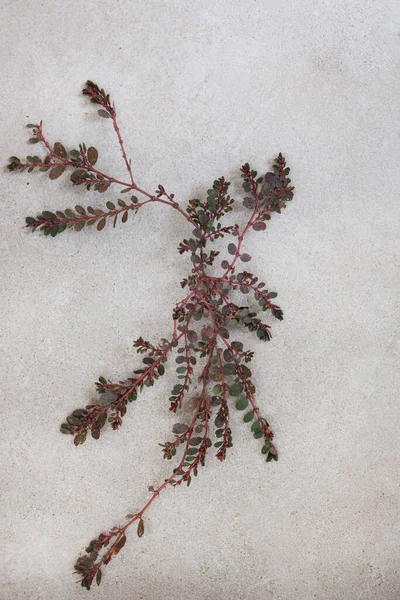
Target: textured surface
x,y
202,87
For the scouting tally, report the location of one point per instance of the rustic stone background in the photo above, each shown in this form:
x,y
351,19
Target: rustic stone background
x,y
201,88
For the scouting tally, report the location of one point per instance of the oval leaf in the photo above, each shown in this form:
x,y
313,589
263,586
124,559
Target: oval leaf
x,y
78,174
92,155
229,369
195,441
140,529
236,389
120,545
179,428
56,172
101,224
248,417
59,150
79,225
259,226
242,403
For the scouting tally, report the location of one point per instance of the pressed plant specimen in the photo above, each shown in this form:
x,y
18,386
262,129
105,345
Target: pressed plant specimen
x,y
202,322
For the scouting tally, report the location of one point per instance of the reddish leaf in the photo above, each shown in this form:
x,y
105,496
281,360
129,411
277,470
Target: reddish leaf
x,y
59,150
56,172
79,225
103,187
92,155
120,545
140,529
101,224
78,174
259,226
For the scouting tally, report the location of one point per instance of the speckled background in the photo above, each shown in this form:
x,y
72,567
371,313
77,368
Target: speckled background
x,y
201,88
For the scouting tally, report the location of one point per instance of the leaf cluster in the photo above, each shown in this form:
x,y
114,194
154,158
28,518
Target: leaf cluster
x,y
212,374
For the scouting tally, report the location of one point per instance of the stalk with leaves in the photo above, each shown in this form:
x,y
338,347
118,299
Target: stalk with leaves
x,y
202,322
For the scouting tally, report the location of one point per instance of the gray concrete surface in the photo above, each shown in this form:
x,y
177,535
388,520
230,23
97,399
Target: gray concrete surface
x,y
200,88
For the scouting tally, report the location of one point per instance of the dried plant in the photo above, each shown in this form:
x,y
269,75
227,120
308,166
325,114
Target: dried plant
x,y
202,320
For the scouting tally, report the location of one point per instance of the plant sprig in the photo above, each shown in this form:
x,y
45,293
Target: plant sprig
x,y
203,321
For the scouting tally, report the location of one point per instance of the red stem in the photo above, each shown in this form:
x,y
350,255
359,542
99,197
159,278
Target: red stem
x,y
121,143
155,494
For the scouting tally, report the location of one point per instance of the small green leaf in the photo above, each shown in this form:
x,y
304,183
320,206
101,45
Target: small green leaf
x,y
219,421
236,389
265,448
46,214
161,369
248,417
242,403
103,113
80,438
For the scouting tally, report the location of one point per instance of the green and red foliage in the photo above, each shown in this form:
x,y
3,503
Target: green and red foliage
x,y
203,321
